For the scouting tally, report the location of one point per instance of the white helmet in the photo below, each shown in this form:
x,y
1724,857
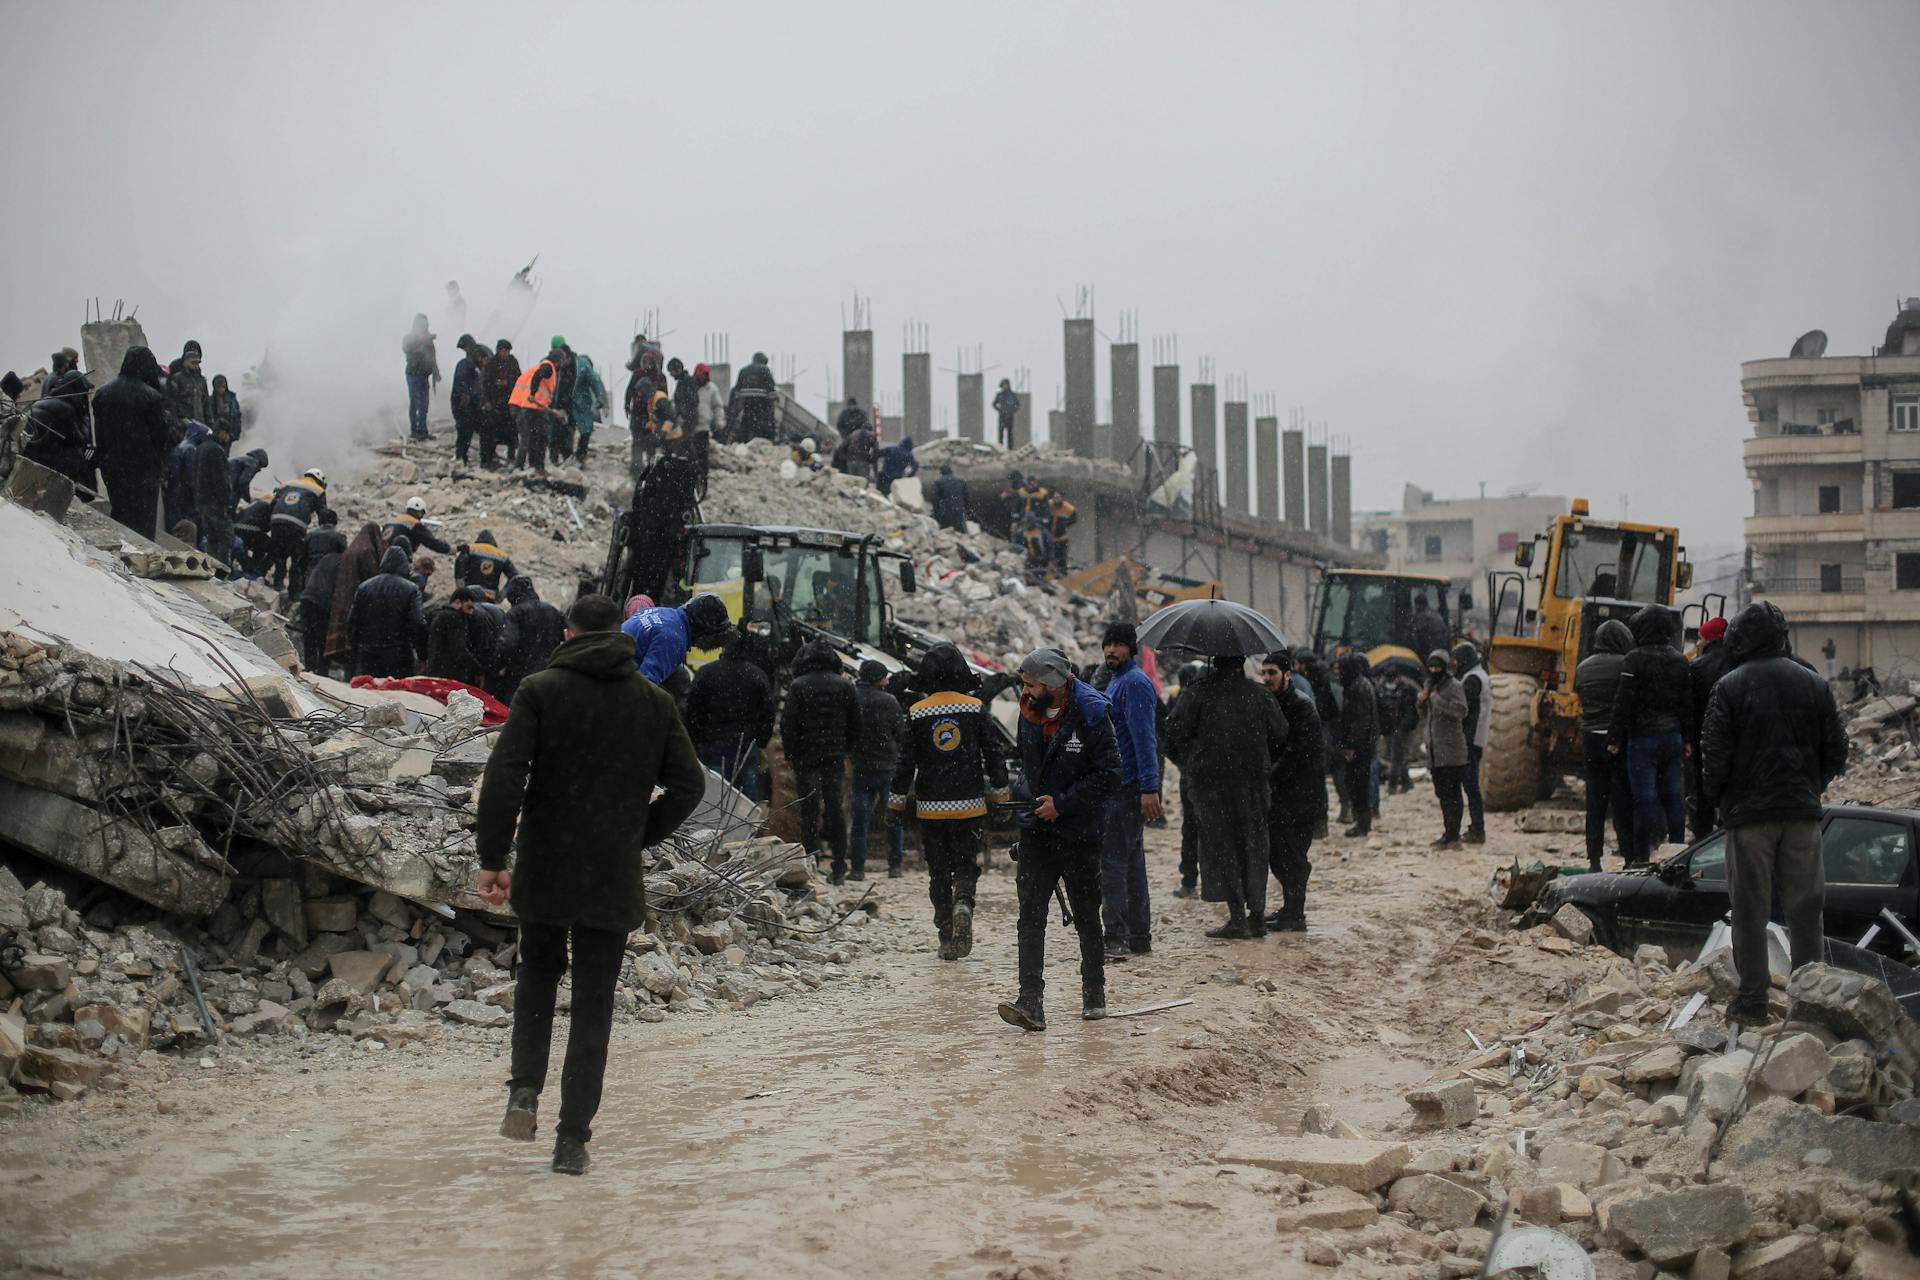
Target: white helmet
x,y
316,475
416,506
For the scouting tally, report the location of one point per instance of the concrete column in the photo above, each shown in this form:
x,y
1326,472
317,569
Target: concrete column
x,y
1341,522
856,365
1166,404
1266,467
1124,365
916,375
1057,427
1293,459
1103,440
1237,471
972,392
1023,420
1206,432
1317,513
1079,413
722,375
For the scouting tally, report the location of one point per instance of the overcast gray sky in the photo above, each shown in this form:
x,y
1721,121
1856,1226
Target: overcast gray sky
x,y
1499,243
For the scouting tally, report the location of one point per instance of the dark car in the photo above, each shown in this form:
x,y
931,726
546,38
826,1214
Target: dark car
x,y
1675,903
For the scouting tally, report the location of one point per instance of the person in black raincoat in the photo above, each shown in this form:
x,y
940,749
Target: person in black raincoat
x,y
56,439
730,708
213,496
1224,735
949,499
1299,792
449,655
818,729
387,625
1650,715
132,439
1359,737
1596,682
534,630
1006,405
750,407
1711,661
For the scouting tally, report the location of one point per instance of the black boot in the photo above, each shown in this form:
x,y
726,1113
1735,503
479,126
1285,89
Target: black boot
x,y
569,1155
1236,925
962,930
1026,1013
523,1111
1093,1002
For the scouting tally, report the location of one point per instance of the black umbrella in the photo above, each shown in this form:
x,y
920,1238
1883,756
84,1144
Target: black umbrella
x,y
1215,628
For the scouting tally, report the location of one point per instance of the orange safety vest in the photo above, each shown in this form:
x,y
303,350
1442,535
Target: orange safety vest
x,y
527,396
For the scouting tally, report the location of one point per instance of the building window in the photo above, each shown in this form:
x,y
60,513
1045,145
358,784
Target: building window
x,y
1906,414
1825,417
1829,499
1906,489
1509,541
1906,571
1433,546
1829,578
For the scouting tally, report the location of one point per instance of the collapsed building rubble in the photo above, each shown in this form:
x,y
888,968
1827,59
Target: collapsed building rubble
x,y
221,847
1630,1120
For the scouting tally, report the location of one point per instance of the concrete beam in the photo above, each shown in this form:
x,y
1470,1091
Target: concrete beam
x,y
189,879
1079,409
1123,360
1340,523
971,397
1166,404
916,376
1237,471
1318,515
1293,460
1206,432
1266,467
856,365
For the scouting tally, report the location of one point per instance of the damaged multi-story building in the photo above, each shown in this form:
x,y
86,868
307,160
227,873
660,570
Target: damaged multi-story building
x,y
1834,538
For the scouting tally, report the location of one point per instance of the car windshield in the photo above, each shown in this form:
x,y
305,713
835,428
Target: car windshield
x,y
816,585
1365,612
1865,851
1614,564
1708,861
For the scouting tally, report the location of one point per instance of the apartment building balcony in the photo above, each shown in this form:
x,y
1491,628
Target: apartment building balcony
x,y
1832,526
1827,449
1829,599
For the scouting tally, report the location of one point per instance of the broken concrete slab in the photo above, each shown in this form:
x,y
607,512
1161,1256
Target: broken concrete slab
x,y
191,881
476,1014
1320,1119
332,915
1446,1104
1432,1198
363,971
1793,1064
1358,1166
37,972
1671,1226
1794,1257
1779,1132
1573,924
1328,1209
47,1069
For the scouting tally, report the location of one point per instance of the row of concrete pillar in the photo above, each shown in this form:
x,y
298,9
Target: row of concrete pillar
x,y
1273,474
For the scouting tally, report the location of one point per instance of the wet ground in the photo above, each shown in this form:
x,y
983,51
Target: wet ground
x,y
888,1125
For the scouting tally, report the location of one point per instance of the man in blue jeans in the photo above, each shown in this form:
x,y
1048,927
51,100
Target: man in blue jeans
x,y
423,374
1650,711
883,730
1126,908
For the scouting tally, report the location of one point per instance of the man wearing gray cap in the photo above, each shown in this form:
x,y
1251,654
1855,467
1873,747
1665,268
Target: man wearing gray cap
x,y
1071,766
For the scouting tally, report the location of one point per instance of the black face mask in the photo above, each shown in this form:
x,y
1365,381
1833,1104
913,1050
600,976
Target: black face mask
x,y
1436,674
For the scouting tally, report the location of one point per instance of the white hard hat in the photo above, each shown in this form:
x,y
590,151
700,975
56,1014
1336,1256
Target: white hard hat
x,y
416,506
317,475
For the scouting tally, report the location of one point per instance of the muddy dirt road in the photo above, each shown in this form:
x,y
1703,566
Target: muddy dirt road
x,y
886,1125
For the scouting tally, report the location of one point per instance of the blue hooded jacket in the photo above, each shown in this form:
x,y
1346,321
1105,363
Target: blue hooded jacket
x,y
661,638
1135,711
897,461
1080,768
179,481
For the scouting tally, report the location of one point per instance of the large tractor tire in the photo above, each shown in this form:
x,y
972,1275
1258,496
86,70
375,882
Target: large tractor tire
x,y
1510,768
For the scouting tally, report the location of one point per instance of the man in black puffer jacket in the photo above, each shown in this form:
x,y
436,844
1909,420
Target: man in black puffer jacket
x,y
818,728
730,714
1359,737
883,730
132,438
1596,682
1771,743
1650,713
534,630
1710,662
387,625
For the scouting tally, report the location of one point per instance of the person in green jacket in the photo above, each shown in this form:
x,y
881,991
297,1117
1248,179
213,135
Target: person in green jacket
x,y
585,744
589,402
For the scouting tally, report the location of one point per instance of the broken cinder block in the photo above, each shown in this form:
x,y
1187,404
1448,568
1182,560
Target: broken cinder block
x,y
1446,1104
1358,1166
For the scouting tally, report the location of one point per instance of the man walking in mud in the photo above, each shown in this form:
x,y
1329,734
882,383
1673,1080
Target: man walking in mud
x,y
1072,769
586,743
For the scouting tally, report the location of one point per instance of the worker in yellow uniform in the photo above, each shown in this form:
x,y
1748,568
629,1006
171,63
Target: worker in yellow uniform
x,y
1060,517
411,524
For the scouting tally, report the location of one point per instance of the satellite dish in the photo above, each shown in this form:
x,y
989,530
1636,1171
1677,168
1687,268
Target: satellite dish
x,y
1811,345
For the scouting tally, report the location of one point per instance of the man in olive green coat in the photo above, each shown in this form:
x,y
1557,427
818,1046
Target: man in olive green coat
x,y
587,741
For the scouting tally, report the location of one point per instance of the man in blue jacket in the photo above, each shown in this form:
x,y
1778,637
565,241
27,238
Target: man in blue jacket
x,y
663,635
1128,909
1072,769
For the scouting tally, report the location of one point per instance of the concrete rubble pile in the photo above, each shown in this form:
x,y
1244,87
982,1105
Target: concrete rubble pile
x,y
218,848
1626,1120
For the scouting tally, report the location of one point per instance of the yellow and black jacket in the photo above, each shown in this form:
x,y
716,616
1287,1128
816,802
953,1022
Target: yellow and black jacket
x,y
948,768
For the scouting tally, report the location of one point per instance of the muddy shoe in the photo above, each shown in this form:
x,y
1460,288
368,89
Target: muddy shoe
x,y
1093,1003
1186,891
894,873
838,877
1357,830
1256,927
1117,949
569,1156
962,930
1230,930
523,1110
1748,1015
1445,842
1025,1013
857,875
947,951
1475,837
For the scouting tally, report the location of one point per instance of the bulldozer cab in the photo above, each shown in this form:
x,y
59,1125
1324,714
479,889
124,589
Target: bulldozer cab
x,y
1395,619
792,585
1568,581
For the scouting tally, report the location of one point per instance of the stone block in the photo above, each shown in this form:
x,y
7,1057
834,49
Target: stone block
x,y
1794,1064
43,1067
1711,1264
280,903
1582,1164
1328,1209
1446,1104
1432,1198
475,1014
130,1025
1556,1203
1573,924
1358,1166
1662,1062
41,973
361,970
13,1041
1776,1132
711,939
1721,1083
402,955
390,909
1319,1118
1671,1226
1794,1257
332,915
1850,1078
